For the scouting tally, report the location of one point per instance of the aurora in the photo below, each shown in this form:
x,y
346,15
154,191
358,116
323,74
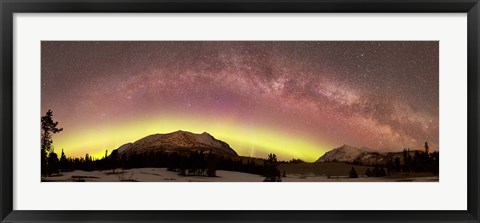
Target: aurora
x,y
295,99
246,141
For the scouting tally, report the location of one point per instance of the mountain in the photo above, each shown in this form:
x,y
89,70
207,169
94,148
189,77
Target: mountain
x,y
180,142
352,154
362,155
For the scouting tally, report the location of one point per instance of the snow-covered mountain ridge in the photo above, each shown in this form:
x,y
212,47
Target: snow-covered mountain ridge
x,y
179,141
352,154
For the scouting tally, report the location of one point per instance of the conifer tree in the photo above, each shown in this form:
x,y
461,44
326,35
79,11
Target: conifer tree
x,y
48,128
353,173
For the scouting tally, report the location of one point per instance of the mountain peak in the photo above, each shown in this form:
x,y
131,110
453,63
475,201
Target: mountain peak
x,y
207,134
179,141
345,153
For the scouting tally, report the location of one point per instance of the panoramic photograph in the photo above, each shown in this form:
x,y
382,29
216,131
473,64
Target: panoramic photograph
x,y
239,111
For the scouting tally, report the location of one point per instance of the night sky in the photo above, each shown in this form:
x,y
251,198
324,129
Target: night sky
x,y
296,99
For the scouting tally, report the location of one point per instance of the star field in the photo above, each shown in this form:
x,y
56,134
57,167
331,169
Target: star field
x,y
308,96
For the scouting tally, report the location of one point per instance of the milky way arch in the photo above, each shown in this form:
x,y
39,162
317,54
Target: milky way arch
x,y
298,99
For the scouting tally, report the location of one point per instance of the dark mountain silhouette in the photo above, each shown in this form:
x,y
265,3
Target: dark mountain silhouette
x,y
181,142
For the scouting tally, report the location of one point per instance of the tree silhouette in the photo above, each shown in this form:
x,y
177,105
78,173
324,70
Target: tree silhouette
x,y
353,173
407,160
52,163
272,158
48,128
272,174
397,164
211,164
381,172
63,162
113,160
368,172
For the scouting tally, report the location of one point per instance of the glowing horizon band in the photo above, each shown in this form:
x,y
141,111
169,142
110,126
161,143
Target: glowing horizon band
x,y
245,140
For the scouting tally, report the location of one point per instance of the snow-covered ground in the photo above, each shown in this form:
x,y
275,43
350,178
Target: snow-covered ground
x,y
162,175
313,178
152,175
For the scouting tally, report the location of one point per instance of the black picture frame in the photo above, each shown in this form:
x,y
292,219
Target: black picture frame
x,y
9,7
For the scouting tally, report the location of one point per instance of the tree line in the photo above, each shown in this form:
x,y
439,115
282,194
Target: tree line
x,y
194,163
420,162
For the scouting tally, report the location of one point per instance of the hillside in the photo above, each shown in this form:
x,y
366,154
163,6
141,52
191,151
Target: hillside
x,y
365,156
180,142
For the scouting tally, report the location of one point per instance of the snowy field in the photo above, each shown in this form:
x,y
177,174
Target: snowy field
x,y
162,175
151,175
313,178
